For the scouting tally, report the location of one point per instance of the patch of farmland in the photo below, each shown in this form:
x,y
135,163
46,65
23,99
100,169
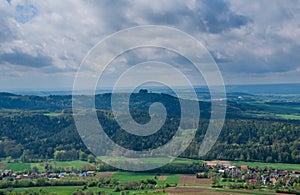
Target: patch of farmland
x,y
188,179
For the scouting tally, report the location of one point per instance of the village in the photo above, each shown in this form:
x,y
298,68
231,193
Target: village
x,y
218,174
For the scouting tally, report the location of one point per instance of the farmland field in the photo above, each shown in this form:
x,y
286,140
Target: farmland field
x,y
125,177
104,174
278,116
17,167
76,164
152,160
282,110
185,161
172,179
162,177
190,180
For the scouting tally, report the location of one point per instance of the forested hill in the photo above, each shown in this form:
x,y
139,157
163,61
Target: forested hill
x,y
139,101
34,128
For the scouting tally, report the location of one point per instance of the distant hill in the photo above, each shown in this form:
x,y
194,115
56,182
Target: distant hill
x,y
42,127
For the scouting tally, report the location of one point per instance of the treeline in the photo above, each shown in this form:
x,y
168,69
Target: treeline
x,y
41,182
85,184
257,140
37,137
34,137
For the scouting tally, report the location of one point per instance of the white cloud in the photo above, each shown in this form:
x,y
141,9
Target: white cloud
x,y
259,37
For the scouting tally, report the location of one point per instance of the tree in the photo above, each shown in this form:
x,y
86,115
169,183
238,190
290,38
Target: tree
x,y
82,155
91,158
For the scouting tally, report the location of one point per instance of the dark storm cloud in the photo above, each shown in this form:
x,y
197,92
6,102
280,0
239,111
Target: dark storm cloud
x,y
23,59
205,16
279,62
217,17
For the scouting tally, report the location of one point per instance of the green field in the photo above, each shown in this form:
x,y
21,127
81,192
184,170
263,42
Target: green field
x,y
172,179
125,177
185,161
76,163
151,160
273,165
276,111
278,108
277,116
288,116
19,166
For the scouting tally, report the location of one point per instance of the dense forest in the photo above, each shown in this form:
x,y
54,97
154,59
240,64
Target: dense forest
x,y
34,128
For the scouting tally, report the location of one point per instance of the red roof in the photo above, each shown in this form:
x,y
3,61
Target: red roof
x,y
252,181
273,180
244,167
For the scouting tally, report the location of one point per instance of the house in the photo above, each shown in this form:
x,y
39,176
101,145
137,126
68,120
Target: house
x,y
200,175
52,176
42,175
91,173
84,174
232,167
244,167
273,180
295,173
7,172
19,177
62,174
33,176
211,163
252,181
25,176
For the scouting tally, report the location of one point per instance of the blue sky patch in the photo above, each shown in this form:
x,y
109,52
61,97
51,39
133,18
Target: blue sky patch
x,y
25,13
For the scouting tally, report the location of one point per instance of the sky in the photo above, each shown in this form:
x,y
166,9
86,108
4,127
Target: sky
x,y
42,43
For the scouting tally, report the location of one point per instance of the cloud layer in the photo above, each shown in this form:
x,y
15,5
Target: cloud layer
x,y
252,41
